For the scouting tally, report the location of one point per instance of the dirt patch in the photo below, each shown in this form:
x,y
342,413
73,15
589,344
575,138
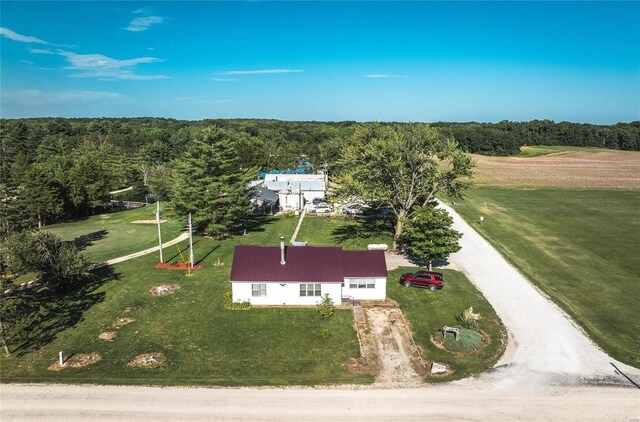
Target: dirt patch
x,y
163,290
601,169
107,335
148,360
147,221
78,360
121,322
387,349
104,216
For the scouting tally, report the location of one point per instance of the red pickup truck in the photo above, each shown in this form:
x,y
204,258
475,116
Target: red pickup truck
x,y
427,279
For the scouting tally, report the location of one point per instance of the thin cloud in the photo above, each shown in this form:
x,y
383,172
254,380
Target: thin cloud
x,y
223,79
6,32
260,71
25,61
40,51
100,66
143,23
384,75
36,97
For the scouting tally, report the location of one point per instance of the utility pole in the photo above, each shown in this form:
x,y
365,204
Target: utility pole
x,y
159,232
190,243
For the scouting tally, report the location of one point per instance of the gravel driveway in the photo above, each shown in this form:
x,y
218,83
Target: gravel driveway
x,y
545,346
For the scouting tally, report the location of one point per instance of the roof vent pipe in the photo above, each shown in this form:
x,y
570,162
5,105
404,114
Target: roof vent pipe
x,y
282,261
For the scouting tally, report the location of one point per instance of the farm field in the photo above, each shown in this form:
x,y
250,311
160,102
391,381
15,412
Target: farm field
x,y
106,236
578,246
564,167
203,343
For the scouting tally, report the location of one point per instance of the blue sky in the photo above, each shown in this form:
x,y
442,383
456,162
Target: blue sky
x,y
415,61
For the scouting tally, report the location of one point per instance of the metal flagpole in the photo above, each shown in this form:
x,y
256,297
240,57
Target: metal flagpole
x,y
159,232
190,242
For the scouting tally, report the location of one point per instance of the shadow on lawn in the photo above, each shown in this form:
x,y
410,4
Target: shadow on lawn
x,y
362,228
84,241
44,313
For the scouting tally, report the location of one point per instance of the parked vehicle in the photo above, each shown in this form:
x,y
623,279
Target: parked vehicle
x,y
317,201
427,279
321,208
354,209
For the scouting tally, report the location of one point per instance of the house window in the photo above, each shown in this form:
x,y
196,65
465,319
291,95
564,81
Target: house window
x,y
310,290
258,290
362,283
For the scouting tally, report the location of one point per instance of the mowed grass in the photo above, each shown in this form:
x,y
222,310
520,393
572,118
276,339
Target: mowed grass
x,y
349,233
427,312
107,236
579,246
203,343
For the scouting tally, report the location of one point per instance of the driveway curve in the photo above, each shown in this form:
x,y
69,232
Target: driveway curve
x,y
545,346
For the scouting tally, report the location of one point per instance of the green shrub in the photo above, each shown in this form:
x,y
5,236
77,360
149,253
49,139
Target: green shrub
x,y
468,319
326,307
326,332
234,306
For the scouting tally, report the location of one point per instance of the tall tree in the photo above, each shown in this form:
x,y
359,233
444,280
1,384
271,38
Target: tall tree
x,y
210,183
401,167
428,235
57,263
40,195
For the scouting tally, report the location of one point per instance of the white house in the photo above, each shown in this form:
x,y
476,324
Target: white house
x,y
310,185
290,199
301,275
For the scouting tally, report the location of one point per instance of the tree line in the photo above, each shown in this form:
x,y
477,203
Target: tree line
x,y
56,169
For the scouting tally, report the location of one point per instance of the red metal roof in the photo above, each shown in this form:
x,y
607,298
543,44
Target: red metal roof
x,y
305,264
364,264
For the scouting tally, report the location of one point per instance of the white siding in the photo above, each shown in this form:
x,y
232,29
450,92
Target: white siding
x,y
379,292
289,294
291,201
294,177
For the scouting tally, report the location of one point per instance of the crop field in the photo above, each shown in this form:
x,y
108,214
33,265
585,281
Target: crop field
x,y
106,236
579,246
561,167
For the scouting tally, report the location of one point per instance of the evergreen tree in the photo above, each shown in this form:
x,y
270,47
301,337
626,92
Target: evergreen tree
x,y
210,183
40,195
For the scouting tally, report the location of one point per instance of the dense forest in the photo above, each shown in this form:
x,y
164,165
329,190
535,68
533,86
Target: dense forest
x,y
55,169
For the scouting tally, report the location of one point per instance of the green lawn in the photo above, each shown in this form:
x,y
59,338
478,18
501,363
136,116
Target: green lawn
x,y
351,234
113,235
428,312
204,343
579,246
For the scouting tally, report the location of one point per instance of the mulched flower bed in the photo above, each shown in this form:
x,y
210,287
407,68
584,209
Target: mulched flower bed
x,y
107,335
148,360
177,266
78,360
164,290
